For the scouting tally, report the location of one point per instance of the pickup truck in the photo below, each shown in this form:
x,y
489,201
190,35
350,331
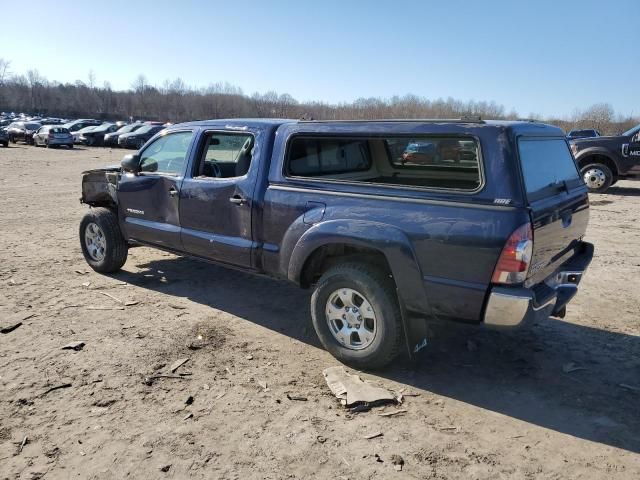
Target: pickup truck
x,y
488,231
605,160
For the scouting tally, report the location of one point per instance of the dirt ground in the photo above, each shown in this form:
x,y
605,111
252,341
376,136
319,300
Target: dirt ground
x,y
486,405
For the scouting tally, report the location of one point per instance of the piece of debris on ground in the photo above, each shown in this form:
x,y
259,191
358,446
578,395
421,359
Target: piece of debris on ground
x,y
10,328
77,346
350,389
177,364
397,461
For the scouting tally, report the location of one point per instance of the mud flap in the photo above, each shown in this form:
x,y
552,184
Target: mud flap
x,y
415,330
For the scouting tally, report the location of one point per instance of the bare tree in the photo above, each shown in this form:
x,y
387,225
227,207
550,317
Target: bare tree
x,y
4,70
91,77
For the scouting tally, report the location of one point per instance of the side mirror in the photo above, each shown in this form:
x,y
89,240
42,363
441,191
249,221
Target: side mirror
x,y
131,163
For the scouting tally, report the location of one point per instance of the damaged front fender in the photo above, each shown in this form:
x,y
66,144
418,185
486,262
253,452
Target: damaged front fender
x,y
99,187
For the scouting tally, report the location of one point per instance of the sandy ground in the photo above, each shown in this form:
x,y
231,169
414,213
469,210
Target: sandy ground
x,y
487,404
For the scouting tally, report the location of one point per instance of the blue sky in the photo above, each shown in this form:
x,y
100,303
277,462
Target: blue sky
x,y
544,57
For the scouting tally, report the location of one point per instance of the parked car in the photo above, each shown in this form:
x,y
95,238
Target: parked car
x,y
605,160
587,133
4,137
51,121
22,131
111,139
497,241
53,136
419,154
76,125
78,135
95,136
139,137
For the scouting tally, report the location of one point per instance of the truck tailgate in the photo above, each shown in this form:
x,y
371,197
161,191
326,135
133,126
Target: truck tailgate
x,y
558,203
558,223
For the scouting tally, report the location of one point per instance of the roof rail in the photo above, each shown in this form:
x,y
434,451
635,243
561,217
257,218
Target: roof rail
x,y
397,120
472,118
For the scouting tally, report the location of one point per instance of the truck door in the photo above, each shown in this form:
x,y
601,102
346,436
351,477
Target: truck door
x,y
216,198
149,200
633,151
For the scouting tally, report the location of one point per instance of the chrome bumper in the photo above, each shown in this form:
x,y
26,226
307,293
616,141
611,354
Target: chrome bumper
x,y
510,307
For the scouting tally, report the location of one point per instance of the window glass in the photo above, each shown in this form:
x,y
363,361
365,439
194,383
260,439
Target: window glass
x,y
421,161
546,163
145,129
309,157
226,155
631,131
167,154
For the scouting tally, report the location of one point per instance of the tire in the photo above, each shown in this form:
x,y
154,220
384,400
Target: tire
x,y
355,280
103,246
46,144
12,138
71,146
5,144
597,176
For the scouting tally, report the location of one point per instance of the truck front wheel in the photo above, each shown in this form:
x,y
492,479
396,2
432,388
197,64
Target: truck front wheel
x,y
597,176
103,246
356,315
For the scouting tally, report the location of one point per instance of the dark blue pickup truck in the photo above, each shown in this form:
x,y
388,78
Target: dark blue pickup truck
x,y
392,223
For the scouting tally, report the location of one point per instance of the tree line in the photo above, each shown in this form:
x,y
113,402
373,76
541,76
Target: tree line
x,y
174,101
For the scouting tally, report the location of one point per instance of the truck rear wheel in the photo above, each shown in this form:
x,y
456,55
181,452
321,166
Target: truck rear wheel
x,y
103,246
597,176
356,315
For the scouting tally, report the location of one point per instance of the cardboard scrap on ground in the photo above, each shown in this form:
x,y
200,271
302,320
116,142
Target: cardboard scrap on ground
x,y
351,389
177,364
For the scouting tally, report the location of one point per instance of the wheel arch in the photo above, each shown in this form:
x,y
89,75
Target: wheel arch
x,y
386,246
597,155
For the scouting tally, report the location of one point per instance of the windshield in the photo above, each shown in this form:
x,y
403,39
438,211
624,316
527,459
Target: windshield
x,y
631,131
32,126
144,129
129,128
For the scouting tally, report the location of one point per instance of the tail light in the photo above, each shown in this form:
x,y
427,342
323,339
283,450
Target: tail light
x,y
515,258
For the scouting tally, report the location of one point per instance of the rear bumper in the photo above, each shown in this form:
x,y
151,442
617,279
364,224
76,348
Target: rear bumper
x,y
60,141
513,306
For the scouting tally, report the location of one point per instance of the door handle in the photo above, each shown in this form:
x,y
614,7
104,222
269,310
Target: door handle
x,y
238,200
173,191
